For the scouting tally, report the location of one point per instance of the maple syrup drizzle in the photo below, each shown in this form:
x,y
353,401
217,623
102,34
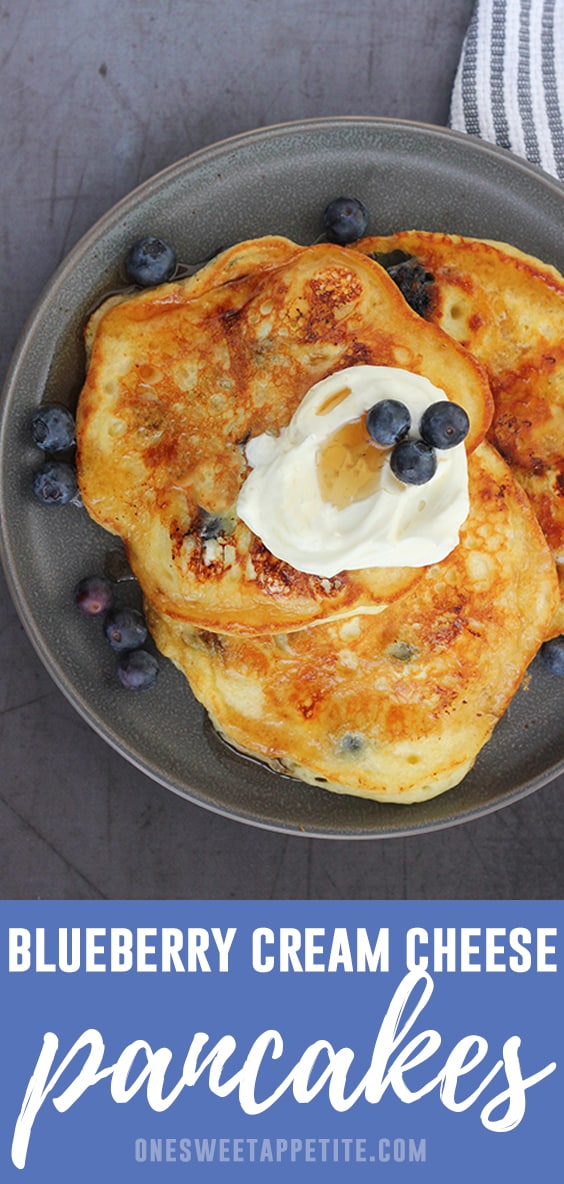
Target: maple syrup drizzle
x,y
349,464
334,400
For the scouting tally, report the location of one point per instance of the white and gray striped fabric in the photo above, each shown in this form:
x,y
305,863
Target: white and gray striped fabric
x,y
509,87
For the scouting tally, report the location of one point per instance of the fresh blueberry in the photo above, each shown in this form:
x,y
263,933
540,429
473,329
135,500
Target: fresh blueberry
x,y
94,595
345,220
125,629
52,428
137,670
552,653
443,425
413,462
150,261
54,483
388,421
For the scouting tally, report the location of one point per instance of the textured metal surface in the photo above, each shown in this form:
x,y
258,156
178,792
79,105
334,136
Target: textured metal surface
x,y
94,103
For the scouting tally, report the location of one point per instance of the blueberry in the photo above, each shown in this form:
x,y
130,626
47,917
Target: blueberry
x,y
390,259
345,220
150,261
413,462
414,283
443,425
125,629
552,653
212,526
351,742
94,595
388,421
52,428
137,670
54,483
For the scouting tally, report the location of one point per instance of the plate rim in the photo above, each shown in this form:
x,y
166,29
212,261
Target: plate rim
x,y
155,180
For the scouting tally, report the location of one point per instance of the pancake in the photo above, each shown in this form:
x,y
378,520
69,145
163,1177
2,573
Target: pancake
x,y
181,376
507,308
393,707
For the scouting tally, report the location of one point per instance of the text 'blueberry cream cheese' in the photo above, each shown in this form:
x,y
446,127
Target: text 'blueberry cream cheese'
x,y
322,496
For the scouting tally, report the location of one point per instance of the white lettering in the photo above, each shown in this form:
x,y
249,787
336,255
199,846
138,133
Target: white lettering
x,y
319,1066
314,950
19,950
121,947
545,950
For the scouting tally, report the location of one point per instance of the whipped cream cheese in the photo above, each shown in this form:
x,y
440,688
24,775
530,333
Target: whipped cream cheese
x,y
322,497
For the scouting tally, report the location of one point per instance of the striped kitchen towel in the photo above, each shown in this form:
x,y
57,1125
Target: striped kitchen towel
x,y
509,86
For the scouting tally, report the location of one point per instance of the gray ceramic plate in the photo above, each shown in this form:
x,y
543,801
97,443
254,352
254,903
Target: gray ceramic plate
x,y
276,180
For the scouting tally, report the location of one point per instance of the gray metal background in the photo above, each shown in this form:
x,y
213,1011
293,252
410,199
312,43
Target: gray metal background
x,y
95,97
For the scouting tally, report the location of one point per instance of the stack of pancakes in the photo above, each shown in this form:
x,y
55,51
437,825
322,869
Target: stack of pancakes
x,y
384,682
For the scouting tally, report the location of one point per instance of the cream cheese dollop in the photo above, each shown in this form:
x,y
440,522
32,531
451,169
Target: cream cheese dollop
x,y
373,519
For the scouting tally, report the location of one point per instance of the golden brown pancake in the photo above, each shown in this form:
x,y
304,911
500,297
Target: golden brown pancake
x,y
180,377
507,308
393,707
